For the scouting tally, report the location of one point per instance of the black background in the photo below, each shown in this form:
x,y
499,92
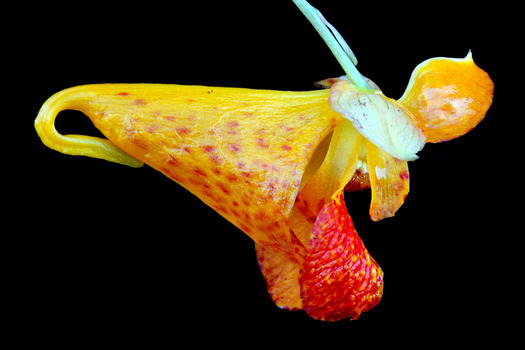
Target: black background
x,y
98,253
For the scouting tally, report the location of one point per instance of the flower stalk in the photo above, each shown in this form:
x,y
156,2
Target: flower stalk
x,y
335,43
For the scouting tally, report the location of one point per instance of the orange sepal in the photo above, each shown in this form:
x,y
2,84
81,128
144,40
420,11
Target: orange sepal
x,y
339,278
448,97
241,151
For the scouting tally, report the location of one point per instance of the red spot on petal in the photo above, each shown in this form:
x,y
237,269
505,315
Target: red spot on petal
x,y
286,148
152,128
404,175
262,143
261,216
232,178
209,149
209,194
123,94
140,143
224,188
183,130
178,179
287,128
235,147
245,228
220,208
173,161
246,201
200,172
215,158
333,121
140,102
195,181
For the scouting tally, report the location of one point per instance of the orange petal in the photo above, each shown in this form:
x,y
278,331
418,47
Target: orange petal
x,y
448,97
339,278
389,181
243,152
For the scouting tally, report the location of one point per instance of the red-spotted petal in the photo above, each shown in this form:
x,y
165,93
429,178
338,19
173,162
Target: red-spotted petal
x,y
339,278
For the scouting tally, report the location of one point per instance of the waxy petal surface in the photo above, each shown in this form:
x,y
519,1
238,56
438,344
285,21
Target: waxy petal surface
x,y
448,97
339,278
243,152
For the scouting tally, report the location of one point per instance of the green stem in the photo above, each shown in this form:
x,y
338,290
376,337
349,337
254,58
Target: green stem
x,y
343,57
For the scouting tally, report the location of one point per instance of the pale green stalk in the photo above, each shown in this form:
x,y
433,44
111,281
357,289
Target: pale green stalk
x,y
335,43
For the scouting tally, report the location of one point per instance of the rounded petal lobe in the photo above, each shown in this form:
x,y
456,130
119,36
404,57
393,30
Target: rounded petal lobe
x,y
448,97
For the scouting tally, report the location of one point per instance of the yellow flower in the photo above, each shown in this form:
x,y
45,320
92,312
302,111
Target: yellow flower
x,y
276,163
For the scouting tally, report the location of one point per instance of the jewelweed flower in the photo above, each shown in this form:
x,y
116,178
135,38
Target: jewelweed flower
x,y
276,163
